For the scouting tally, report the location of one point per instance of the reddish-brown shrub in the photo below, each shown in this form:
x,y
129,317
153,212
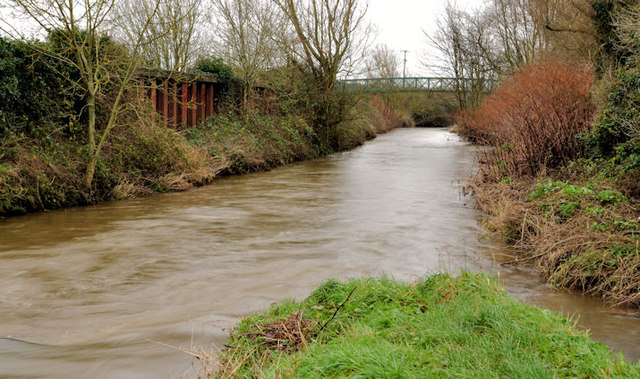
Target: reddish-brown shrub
x,y
532,119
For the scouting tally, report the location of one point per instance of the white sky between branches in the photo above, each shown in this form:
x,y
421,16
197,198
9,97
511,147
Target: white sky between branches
x,y
399,23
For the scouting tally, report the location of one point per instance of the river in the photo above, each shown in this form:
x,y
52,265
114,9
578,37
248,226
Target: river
x,y
119,289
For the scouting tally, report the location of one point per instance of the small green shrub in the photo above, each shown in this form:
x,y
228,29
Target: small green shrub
x,y
543,190
610,197
568,190
621,251
564,201
599,227
567,209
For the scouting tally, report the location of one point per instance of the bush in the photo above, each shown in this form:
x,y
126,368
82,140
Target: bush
x,y
34,96
532,119
617,127
229,86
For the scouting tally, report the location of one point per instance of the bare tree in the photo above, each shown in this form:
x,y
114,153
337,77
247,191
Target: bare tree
x,y
173,35
383,63
480,46
245,29
329,39
467,54
77,26
519,35
628,29
330,36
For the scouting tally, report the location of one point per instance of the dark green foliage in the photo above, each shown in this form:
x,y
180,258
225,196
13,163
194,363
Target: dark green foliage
x,y
604,16
229,86
215,66
58,42
35,97
619,122
615,139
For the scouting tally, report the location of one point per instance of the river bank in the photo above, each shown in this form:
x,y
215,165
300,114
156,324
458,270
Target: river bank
x,y
62,145
44,172
437,326
558,176
582,233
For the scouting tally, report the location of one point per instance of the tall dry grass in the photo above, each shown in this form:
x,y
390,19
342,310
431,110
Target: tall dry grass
x,y
531,121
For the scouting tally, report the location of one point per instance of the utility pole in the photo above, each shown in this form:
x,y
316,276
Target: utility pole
x,y
404,67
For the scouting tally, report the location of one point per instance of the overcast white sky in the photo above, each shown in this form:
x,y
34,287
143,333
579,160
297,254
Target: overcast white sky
x,y
400,24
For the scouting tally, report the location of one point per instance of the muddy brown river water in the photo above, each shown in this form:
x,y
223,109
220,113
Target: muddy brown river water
x,y
116,290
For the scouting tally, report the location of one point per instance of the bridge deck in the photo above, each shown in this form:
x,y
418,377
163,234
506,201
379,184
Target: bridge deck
x,y
409,84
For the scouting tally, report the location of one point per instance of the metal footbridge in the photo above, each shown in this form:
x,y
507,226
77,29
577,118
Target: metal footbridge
x,y
408,84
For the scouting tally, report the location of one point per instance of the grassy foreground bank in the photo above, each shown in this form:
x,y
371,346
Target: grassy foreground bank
x,y
441,326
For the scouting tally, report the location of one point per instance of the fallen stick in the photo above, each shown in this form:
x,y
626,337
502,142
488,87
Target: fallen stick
x,y
337,310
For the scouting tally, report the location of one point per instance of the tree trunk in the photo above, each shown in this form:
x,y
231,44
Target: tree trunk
x,y
91,143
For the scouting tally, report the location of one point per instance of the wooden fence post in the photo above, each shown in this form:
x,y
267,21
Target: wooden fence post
x,y
173,110
203,102
165,103
154,101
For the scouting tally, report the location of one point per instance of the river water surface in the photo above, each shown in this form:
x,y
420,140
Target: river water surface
x,y
115,290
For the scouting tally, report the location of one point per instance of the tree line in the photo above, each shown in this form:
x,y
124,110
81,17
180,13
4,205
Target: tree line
x,y
497,39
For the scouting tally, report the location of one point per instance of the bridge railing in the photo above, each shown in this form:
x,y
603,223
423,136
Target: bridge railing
x,y
409,84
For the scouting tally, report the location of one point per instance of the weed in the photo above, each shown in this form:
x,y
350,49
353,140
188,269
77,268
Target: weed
x,y
612,197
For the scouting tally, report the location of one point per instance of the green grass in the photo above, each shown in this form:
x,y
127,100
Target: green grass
x,y
442,326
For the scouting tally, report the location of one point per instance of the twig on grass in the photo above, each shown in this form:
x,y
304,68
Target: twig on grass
x,y
337,310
